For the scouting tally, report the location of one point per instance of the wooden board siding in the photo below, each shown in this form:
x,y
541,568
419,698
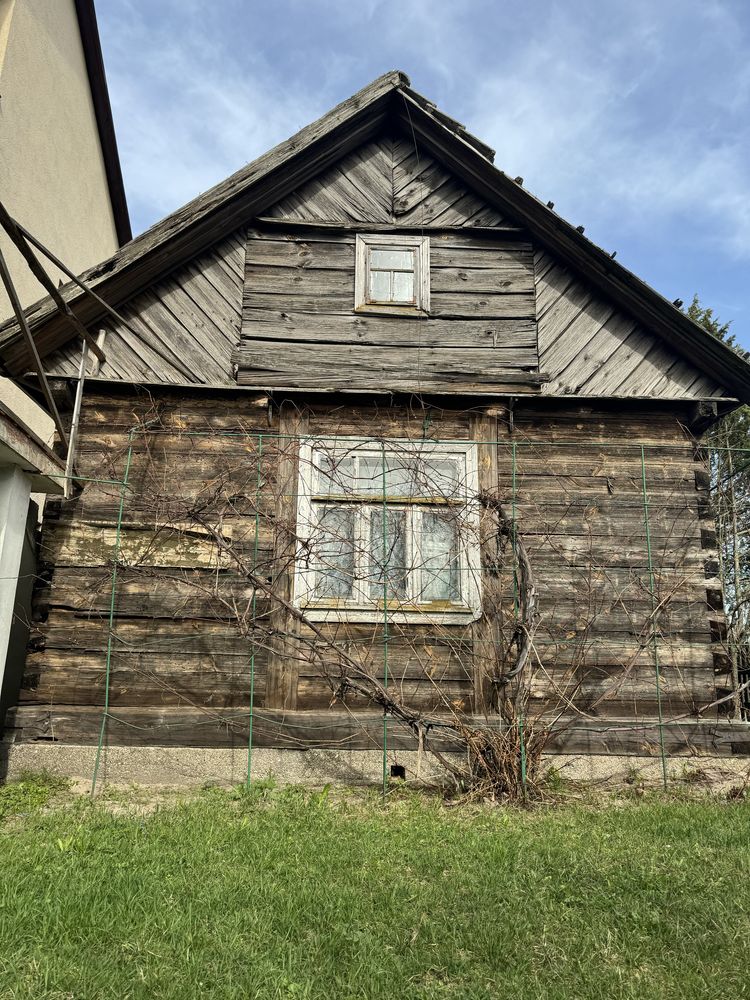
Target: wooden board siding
x,y
589,347
181,667
300,328
580,507
272,306
387,181
184,328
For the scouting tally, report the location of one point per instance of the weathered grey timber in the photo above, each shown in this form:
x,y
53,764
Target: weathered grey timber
x,y
246,333
300,327
272,306
180,667
189,326
388,181
388,107
589,347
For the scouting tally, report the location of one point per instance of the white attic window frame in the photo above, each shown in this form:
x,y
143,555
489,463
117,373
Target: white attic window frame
x,y
365,296
332,479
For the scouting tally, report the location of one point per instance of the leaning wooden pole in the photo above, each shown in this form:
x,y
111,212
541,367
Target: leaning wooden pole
x,y
23,323
83,285
109,309
10,227
70,463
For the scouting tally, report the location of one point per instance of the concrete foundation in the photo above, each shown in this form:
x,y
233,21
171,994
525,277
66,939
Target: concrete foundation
x,y
195,766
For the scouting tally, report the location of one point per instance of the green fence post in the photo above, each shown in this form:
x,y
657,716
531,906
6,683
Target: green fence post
x,y
654,636
385,626
253,615
115,562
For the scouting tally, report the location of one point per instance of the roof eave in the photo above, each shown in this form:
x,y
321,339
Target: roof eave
x,y
210,216
573,248
252,189
92,51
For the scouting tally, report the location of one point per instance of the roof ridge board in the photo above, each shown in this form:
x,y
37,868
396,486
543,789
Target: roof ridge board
x,y
452,124
214,198
673,324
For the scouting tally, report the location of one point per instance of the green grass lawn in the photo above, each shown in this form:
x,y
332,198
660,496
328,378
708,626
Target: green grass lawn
x,y
294,894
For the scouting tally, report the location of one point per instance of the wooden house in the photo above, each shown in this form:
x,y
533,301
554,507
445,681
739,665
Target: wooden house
x,y
345,386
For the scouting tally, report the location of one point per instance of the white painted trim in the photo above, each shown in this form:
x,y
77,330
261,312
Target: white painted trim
x,y
361,608
421,247
15,491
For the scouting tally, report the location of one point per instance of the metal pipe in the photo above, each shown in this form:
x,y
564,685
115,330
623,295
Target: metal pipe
x,y
75,421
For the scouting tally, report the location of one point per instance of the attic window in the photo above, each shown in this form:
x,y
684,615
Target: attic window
x,y
392,274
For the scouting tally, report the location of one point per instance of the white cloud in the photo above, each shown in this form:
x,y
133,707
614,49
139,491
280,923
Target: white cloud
x,y
613,126
187,112
626,115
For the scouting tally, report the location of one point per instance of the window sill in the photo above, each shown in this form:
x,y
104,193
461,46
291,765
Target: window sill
x,y
371,309
427,614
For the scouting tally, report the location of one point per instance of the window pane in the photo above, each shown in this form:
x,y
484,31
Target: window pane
x,y
439,557
403,286
334,473
388,553
380,286
399,475
333,552
392,259
443,477
370,478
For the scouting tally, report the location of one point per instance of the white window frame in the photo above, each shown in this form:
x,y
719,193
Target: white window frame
x,y
361,607
420,245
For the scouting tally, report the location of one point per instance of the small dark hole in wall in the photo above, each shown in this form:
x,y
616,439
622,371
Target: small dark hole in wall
x,y
398,771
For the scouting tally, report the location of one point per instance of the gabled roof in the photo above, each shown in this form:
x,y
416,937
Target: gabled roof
x,y
259,185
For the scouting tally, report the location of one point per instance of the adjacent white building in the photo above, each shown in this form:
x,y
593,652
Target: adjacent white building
x,y
60,178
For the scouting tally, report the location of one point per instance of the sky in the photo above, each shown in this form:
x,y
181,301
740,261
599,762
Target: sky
x,y
632,116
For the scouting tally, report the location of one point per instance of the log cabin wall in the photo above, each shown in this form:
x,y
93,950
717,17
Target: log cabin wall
x,y
273,306
181,648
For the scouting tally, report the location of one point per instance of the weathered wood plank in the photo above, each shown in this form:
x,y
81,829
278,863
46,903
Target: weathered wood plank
x,y
504,336
83,544
385,331
185,326
587,346
284,666
466,280
344,365
333,296
345,730
151,592
269,355
488,643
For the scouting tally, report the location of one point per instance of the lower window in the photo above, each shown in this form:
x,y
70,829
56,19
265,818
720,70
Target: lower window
x,y
387,527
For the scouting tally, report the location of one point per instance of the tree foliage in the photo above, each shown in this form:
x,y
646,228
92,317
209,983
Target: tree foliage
x,y
729,444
